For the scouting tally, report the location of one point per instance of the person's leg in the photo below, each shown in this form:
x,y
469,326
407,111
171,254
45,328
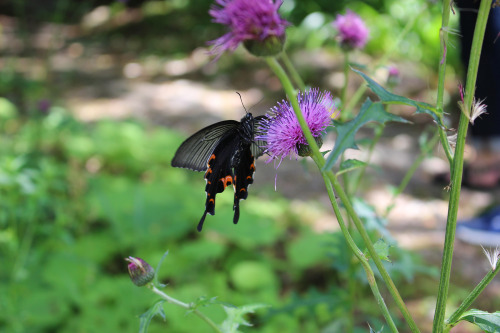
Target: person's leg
x,y
484,170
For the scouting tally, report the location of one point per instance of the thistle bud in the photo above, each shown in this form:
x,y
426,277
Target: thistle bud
x,y
268,47
303,149
141,273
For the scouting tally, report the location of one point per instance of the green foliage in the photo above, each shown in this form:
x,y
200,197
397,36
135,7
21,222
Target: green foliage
x,y
488,322
77,199
146,317
236,317
387,97
346,132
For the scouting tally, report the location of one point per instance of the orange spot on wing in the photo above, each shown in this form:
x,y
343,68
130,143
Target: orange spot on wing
x,y
211,200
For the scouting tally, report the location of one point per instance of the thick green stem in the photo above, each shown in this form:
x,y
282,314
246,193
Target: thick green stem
x,y
356,251
293,72
318,157
186,306
452,321
443,33
457,169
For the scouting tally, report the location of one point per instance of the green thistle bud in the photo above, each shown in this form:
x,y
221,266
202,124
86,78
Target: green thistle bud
x,y
303,149
141,273
271,46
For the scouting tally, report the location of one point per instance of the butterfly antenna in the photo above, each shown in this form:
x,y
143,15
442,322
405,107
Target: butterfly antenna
x,y
241,99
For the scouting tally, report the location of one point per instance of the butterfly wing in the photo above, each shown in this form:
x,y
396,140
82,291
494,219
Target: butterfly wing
x,y
258,145
220,172
243,177
195,151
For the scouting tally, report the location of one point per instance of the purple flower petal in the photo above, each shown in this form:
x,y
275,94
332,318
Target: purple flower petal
x,y
352,31
246,20
282,131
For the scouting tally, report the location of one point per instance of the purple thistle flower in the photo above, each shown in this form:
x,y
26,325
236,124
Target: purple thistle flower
x,y
249,22
352,31
281,130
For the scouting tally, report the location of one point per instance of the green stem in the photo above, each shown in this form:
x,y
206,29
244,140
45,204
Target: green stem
x,y
293,72
343,95
457,169
356,251
318,157
452,321
371,249
172,300
443,33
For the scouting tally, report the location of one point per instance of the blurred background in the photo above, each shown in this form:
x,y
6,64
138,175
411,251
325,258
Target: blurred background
x,y
96,96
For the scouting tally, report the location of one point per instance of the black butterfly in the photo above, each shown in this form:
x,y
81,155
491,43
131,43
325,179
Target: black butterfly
x,y
226,150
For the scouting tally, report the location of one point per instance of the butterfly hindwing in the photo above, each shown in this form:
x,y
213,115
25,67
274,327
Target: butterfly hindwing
x,y
219,172
195,151
243,177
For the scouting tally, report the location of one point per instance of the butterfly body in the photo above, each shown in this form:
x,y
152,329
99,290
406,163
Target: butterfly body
x,y
226,151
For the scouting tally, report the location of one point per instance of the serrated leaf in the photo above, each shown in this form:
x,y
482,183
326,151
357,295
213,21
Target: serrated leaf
x,y
488,322
145,318
382,249
350,164
346,132
235,317
389,98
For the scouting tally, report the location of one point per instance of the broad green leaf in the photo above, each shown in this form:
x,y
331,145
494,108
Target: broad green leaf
x,y
350,164
389,98
145,318
488,322
382,249
346,132
235,317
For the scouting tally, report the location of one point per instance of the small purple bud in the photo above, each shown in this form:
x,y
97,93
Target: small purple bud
x,y
44,105
141,273
394,76
352,31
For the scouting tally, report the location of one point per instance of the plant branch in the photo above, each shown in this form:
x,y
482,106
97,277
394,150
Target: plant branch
x,y
457,170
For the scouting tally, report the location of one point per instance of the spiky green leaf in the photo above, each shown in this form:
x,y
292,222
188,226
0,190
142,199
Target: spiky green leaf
x,y
387,97
346,132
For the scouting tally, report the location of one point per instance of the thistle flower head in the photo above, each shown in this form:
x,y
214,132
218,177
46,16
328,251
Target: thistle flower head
x,y
282,132
352,31
255,23
141,273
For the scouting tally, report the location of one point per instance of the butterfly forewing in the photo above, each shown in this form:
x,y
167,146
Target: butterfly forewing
x,y
195,151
